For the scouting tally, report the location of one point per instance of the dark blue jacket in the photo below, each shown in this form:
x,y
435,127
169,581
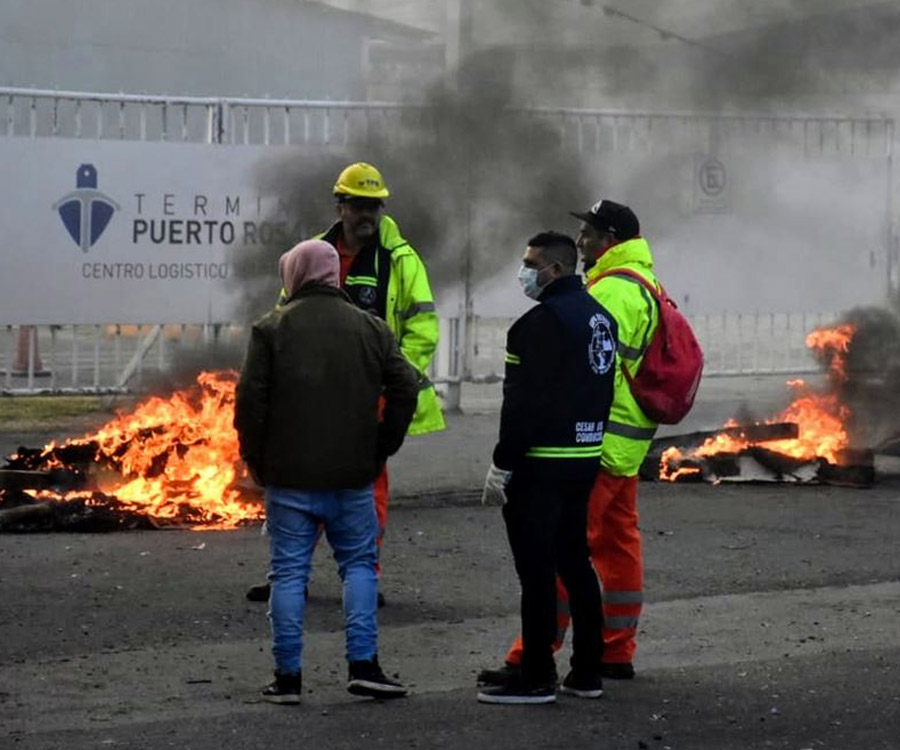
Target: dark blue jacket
x,y
560,369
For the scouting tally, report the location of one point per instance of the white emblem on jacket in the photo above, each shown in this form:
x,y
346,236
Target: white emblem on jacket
x,y
602,349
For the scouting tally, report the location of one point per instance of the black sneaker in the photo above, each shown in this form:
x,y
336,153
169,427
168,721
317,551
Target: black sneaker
x,y
516,692
507,673
259,593
366,678
623,670
381,600
582,685
262,591
285,690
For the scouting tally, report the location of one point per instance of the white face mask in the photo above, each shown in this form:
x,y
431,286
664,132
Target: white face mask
x,y
528,278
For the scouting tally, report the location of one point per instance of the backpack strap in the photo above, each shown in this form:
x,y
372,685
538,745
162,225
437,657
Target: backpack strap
x,y
658,294
646,288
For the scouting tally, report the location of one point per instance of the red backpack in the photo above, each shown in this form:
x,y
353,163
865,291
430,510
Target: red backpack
x,y
667,380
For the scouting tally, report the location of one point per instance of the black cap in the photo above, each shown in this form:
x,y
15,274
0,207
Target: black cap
x,y
611,217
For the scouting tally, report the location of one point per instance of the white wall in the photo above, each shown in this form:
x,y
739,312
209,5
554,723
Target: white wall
x,y
279,48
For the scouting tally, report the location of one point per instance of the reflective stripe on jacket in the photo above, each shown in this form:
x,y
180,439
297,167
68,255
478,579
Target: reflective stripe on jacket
x,y
559,385
411,315
629,431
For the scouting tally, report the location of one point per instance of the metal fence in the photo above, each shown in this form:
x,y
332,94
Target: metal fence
x,y
71,114
733,344
115,358
104,358
99,358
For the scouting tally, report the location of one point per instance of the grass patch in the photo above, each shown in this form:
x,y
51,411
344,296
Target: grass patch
x,y
17,410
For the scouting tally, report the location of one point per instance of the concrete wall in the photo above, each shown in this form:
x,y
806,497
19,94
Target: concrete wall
x,y
278,48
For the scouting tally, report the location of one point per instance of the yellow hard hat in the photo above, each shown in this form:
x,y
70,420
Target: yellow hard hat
x,y
361,180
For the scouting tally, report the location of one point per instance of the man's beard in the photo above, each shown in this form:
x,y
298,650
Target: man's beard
x,y
368,237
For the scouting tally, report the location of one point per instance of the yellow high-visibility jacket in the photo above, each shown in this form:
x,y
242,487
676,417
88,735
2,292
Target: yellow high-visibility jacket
x,y
629,431
411,316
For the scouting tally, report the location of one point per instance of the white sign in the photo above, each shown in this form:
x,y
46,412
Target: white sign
x,y
711,187
119,232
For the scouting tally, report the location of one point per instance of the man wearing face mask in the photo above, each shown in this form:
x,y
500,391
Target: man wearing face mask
x,y
558,387
609,240
383,275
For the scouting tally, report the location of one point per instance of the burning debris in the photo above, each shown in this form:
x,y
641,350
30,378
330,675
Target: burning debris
x,y
169,463
819,449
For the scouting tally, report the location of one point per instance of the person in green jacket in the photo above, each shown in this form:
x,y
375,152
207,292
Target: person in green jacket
x,y
610,240
383,275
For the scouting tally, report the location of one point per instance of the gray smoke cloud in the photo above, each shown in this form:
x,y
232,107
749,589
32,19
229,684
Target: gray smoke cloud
x,y
780,53
466,173
844,54
872,389
468,177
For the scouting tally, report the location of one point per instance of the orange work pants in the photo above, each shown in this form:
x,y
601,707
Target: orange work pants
x,y
614,542
382,490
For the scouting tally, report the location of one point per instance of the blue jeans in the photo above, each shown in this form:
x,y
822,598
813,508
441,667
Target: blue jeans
x,y
293,518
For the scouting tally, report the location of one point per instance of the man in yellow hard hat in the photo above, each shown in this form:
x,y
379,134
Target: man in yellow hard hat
x,y
382,274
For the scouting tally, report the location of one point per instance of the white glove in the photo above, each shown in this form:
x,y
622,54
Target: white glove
x,y
495,486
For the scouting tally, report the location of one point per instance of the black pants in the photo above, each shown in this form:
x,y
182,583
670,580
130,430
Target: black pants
x,y
546,522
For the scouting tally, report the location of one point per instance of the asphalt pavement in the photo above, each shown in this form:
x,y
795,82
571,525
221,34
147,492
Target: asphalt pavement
x,y
770,622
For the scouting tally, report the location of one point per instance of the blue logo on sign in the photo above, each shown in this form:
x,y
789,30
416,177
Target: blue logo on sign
x,y
86,212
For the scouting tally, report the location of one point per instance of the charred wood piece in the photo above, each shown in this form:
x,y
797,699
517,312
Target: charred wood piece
x,y
76,454
62,480
855,468
97,513
752,433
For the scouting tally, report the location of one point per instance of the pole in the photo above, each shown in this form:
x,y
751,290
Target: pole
x,y
893,292
459,25
28,358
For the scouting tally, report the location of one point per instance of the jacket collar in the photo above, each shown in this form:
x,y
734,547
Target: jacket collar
x,y
389,236
315,289
561,286
635,251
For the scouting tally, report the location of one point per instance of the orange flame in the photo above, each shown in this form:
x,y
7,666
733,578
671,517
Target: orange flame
x,y
831,345
178,458
820,423
820,417
670,459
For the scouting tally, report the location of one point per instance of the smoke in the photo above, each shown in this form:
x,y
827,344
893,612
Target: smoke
x,y
872,389
763,57
224,349
472,179
840,54
468,177
789,53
